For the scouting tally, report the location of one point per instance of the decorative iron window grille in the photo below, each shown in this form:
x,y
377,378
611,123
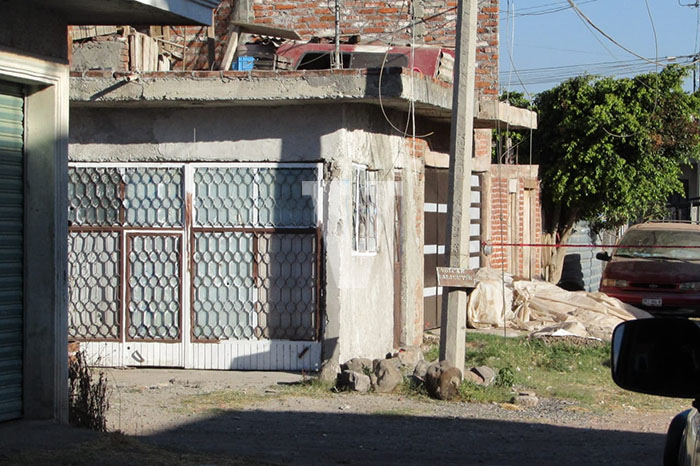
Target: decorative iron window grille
x,y
247,258
364,210
258,225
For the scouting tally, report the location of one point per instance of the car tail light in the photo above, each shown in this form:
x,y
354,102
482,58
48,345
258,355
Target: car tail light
x,y
695,286
615,283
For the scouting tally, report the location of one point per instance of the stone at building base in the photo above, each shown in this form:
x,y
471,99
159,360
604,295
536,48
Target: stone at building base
x,y
421,370
386,375
409,357
482,375
443,381
359,365
354,381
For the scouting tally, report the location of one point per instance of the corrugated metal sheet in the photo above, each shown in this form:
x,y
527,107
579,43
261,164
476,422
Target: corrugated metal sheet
x,y
11,250
581,269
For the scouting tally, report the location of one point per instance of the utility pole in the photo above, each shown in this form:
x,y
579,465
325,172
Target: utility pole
x,y
454,308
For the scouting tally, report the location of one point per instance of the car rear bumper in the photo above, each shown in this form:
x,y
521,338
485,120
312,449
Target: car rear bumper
x,y
671,303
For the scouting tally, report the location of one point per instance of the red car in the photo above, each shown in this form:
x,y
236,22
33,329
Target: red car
x,y
656,267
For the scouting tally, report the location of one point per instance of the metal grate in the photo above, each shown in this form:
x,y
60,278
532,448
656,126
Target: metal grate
x,y
153,197
266,197
286,197
94,196
253,245
223,302
153,286
94,285
287,285
225,196
364,210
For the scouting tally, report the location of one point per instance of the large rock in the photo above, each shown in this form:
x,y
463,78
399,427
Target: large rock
x,y
354,381
473,377
386,375
443,381
359,365
482,375
409,357
528,399
421,370
358,382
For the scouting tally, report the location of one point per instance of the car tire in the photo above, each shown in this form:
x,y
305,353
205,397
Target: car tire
x,y
674,437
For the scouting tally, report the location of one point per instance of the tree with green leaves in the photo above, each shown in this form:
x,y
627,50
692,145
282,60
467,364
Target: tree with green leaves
x,y
611,150
512,145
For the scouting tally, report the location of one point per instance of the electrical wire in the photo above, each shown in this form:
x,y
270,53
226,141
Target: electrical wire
x,y
391,34
587,20
553,8
655,89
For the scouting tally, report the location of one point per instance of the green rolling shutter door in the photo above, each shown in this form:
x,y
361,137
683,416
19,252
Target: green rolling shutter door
x,y
11,249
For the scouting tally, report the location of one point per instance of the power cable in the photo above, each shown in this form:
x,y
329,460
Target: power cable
x,y
554,8
587,20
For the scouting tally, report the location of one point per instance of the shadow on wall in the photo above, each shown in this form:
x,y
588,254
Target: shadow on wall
x,y
305,437
300,122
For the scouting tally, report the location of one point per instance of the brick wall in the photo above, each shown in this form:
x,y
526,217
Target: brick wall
x,y
486,82
509,218
482,143
376,22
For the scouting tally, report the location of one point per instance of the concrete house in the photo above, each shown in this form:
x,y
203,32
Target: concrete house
x,y
268,219
34,78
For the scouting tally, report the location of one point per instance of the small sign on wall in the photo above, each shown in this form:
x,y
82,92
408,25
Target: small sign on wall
x,y
455,277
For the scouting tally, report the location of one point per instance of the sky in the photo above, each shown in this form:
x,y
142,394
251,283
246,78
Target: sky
x,y
543,42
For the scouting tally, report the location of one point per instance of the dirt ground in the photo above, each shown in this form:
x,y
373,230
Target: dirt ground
x,y
264,422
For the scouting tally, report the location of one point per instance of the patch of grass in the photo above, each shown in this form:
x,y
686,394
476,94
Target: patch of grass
x,y
412,388
577,370
310,386
432,353
473,393
218,401
228,400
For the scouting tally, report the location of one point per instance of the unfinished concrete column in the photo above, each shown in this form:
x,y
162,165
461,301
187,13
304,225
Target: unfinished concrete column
x,y
454,310
412,242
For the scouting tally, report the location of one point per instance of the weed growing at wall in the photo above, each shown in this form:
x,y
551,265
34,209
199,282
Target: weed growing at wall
x,y
89,397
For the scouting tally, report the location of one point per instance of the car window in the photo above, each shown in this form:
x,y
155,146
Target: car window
x,y
683,245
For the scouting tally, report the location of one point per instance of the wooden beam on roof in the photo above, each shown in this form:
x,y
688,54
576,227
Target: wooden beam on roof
x,y
264,30
231,46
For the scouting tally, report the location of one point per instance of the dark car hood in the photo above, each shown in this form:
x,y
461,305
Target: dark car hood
x,y
652,270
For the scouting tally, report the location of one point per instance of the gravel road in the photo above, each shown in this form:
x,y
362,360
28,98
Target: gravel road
x,y
374,429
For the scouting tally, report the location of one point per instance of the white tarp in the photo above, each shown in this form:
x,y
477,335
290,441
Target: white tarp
x,y
543,308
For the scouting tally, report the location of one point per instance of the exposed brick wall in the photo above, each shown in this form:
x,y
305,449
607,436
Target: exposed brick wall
x,y
482,143
486,82
505,217
377,22
205,50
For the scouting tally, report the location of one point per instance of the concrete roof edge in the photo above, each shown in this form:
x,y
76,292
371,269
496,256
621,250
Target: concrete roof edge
x,y
433,98
506,114
104,88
